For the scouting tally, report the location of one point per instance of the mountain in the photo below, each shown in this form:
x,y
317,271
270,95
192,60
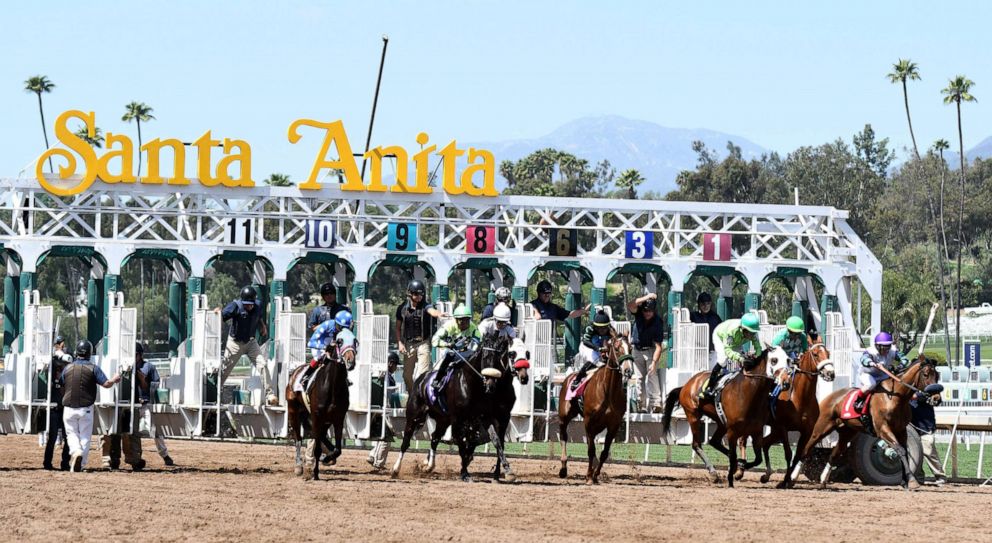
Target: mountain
x,y
982,150
658,152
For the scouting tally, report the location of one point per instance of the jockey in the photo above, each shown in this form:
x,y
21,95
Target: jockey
x,y
875,361
454,333
323,337
729,339
593,340
793,339
499,323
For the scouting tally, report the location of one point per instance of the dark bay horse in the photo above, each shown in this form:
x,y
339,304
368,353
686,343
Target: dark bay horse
x,y
797,409
469,400
514,364
890,412
745,405
328,399
603,406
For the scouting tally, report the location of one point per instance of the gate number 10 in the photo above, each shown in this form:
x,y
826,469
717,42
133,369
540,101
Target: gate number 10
x,y
320,234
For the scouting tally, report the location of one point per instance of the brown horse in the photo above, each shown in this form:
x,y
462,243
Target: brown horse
x,y
328,399
797,408
744,403
890,413
604,404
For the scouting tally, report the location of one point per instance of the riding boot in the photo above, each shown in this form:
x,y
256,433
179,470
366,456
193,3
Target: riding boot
x,y
581,374
707,392
305,379
439,378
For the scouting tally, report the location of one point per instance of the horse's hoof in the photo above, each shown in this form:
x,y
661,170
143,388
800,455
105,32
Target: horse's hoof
x,y
298,470
466,478
328,459
739,475
589,482
912,485
563,473
394,474
714,478
765,478
823,486
782,485
510,478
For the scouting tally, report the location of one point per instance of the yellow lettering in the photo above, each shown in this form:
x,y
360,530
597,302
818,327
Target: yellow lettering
x,y
345,161
75,143
243,158
204,146
154,149
125,153
421,166
449,155
375,157
488,168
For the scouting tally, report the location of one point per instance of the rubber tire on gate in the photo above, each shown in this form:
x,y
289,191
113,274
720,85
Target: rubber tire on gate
x,y
869,467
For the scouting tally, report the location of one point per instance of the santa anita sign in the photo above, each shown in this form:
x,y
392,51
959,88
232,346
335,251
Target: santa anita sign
x,y
120,148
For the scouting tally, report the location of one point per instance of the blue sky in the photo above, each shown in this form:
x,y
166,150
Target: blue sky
x,y
782,74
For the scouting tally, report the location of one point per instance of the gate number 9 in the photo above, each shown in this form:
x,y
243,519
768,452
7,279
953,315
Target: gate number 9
x,y
401,237
639,244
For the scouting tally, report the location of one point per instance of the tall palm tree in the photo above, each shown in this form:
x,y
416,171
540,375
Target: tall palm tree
x,y
629,180
138,112
97,139
904,70
959,90
940,146
41,84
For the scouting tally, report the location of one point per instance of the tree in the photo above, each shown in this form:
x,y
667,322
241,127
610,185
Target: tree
x,y
904,70
550,172
628,181
41,84
278,180
959,90
138,112
95,141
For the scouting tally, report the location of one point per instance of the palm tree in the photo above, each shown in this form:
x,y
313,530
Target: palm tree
x,y
630,179
39,84
959,90
138,112
901,71
940,146
278,180
97,139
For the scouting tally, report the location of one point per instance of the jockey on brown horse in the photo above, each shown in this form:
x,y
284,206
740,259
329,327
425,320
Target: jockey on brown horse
x,y
604,400
887,413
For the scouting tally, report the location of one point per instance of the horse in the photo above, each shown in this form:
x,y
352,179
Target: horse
x,y
514,364
328,402
744,402
797,409
468,397
890,414
603,405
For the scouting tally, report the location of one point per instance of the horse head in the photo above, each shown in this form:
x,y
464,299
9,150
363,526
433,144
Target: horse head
x,y
926,379
346,347
492,353
778,365
520,357
818,360
618,356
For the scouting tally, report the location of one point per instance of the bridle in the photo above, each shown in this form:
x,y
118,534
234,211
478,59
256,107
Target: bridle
x,y
613,361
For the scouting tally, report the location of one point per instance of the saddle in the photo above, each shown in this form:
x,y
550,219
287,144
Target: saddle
x,y
304,381
718,393
848,409
578,391
435,398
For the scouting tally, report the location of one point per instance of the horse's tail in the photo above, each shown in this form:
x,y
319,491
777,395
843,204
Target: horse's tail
x,y
670,401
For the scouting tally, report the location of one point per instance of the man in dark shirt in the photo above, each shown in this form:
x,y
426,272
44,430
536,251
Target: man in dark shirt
x,y
327,310
246,316
544,308
79,381
706,315
145,382
648,341
925,421
415,323
60,359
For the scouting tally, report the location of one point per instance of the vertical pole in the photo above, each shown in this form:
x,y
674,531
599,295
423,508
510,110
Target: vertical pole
x,y
194,288
752,301
359,291
573,327
95,304
468,289
11,308
277,289
111,283
177,314
675,300
27,284
597,296
440,293
340,282
725,302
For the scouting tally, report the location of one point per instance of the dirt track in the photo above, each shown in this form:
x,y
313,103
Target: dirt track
x,y
226,492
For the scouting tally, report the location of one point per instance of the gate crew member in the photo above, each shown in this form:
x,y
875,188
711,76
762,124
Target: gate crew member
x,y
79,381
544,308
730,339
415,323
326,311
60,359
247,318
147,380
648,339
706,315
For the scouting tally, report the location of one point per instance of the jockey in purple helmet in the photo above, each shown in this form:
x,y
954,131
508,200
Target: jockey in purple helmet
x,y
874,359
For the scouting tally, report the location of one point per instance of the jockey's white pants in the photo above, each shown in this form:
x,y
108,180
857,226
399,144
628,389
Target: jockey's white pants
x,y
718,356
78,430
589,355
868,380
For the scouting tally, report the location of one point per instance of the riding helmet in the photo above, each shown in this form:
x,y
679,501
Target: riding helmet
x,y
503,294
393,358
84,349
704,297
501,313
601,319
461,312
58,339
750,322
327,288
415,287
795,324
139,348
544,287
343,319
248,294
883,338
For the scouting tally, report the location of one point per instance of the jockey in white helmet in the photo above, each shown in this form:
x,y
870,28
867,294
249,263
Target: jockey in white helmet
x,y
499,323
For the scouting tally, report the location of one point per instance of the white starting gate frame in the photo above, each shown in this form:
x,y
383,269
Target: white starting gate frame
x,y
200,223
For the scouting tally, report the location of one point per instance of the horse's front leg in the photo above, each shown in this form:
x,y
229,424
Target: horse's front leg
x,y
431,461
497,440
464,451
611,433
898,442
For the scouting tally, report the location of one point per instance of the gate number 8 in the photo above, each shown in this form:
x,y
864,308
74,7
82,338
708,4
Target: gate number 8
x,y
480,240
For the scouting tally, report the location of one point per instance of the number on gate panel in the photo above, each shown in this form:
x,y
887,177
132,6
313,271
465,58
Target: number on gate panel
x,y
320,234
480,240
239,231
639,244
401,237
562,242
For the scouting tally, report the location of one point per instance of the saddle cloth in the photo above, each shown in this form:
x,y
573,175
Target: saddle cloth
x,y
848,411
434,399
722,382
298,382
578,391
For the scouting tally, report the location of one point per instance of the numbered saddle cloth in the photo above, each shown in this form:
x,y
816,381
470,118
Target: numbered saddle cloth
x,y
578,391
848,410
